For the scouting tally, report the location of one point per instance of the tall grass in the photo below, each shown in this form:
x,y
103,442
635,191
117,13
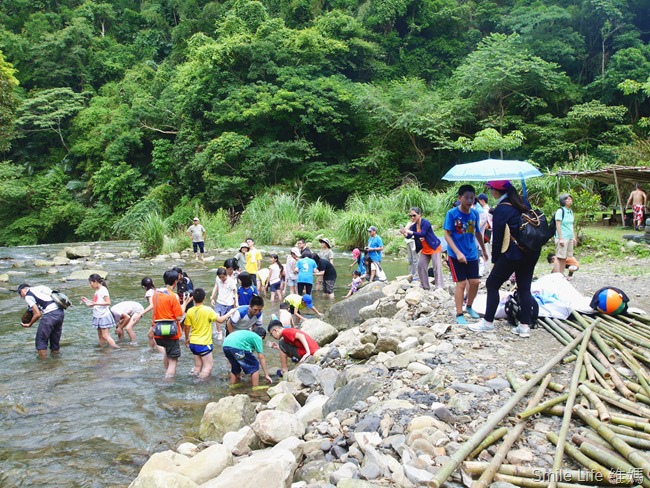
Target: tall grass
x,y
320,214
353,227
152,235
272,218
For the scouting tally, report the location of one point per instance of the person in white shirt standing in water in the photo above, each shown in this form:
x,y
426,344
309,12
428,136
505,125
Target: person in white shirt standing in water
x,y
197,233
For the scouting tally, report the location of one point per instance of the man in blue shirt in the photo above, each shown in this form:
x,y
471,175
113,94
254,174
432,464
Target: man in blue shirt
x,y
375,245
305,267
462,232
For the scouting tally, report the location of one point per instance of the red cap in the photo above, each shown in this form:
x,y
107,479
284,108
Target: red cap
x,y
500,185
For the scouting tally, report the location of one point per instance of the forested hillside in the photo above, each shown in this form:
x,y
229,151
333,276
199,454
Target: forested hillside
x,y
110,111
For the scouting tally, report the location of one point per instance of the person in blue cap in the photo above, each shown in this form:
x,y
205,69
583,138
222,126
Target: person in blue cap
x,y
297,303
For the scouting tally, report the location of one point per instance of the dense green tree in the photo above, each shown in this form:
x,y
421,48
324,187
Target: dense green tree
x,y
8,102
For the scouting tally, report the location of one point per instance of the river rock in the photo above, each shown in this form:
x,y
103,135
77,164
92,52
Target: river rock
x,y
273,426
357,390
83,274
272,468
207,464
345,313
282,387
520,456
156,479
322,332
307,374
347,471
163,461
77,252
401,361
175,255
327,379
285,402
387,343
188,449
497,383
60,260
313,410
361,351
317,471
226,415
419,368
356,483
4,277
242,442
419,477
471,388
407,344
41,263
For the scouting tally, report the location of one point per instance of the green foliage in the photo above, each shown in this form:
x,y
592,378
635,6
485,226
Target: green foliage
x,y
117,186
176,242
151,234
320,215
97,224
128,226
8,102
353,228
489,140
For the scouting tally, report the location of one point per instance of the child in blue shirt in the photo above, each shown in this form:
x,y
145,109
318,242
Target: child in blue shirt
x,y
305,267
247,289
462,232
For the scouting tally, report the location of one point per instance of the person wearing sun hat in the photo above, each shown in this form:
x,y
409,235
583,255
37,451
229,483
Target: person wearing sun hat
x,y
508,258
297,303
325,252
241,255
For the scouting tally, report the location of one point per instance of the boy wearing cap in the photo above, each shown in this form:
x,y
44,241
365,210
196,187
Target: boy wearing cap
x,y
462,231
238,348
375,245
197,233
297,303
293,343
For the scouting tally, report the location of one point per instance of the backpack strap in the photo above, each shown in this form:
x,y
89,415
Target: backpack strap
x,y
42,304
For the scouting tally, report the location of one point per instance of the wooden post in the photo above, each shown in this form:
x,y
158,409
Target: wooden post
x,y
618,195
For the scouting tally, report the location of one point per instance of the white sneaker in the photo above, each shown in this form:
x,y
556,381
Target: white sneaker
x,y
220,336
523,332
481,326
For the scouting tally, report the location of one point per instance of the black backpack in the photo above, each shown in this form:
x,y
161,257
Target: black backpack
x,y
534,231
513,310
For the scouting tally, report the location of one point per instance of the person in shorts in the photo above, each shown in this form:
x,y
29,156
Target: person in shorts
x,y
290,272
39,301
306,267
167,307
565,240
238,348
297,303
462,232
328,272
225,292
293,343
197,233
198,333
126,315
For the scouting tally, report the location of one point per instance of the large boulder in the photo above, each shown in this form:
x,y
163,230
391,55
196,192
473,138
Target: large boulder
x,y
242,442
272,468
345,313
77,252
207,464
273,426
83,274
163,461
156,479
322,332
227,415
313,410
357,390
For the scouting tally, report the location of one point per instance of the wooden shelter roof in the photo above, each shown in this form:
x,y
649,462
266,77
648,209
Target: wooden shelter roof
x,y
628,174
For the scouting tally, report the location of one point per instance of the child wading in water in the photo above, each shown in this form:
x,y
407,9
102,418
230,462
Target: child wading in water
x,y
355,284
276,271
101,304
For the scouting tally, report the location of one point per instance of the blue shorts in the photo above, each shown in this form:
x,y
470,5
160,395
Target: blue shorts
x,y
198,246
241,360
201,349
276,286
222,309
463,271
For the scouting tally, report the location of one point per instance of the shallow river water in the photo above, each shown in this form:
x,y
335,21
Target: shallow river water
x,y
91,417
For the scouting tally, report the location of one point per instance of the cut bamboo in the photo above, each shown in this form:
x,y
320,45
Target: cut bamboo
x,y
542,406
488,475
635,458
603,413
556,387
604,458
619,401
489,440
591,373
582,459
573,391
459,456
475,468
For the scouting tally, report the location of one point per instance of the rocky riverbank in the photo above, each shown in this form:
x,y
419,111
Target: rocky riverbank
x,y
386,402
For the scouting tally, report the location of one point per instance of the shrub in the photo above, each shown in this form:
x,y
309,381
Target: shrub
x,y
353,228
152,235
128,226
176,242
320,214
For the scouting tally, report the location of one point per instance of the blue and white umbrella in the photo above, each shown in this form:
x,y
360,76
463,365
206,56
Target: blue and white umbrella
x,y
492,169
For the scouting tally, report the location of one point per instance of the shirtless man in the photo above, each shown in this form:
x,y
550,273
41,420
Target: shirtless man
x,y
638,200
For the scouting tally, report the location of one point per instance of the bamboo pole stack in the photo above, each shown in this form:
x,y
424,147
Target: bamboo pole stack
x,y
604,438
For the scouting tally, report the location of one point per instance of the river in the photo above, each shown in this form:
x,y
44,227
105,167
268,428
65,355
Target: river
x,y
92,416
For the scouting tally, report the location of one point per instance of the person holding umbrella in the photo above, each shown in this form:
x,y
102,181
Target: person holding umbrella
x,y
508,258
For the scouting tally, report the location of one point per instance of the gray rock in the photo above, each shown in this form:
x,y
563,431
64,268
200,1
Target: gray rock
x,y
419,477
322,332
497,383
347,471
227,415
207,464
315,471
387,343
345,313
270,467
284,402
371,471
307,374
327,379
407,344
362,351
77,252
242,442
370,423
156,479
312,410
355,391
471,388
273,426
401,361
355,484
83,274
163,461
338,452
